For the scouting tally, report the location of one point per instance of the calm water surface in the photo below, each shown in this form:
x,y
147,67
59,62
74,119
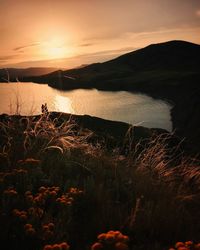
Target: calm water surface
x,y
136,109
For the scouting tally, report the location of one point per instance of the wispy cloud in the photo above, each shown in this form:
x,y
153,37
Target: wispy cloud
x,y
26,46
71,62
109,52
5,58
86,44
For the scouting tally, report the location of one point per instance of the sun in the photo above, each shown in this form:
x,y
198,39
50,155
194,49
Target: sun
x,y
56,52
55,49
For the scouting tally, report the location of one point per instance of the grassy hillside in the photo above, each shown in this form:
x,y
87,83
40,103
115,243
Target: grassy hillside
x,y
61,185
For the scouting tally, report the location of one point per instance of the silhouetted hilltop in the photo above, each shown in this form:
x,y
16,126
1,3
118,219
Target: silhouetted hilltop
x,y
173,61
172,55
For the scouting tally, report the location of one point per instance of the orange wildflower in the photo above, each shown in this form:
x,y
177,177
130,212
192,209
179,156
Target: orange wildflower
x,y
197,246
28,193
64,246
30,231
97,246
42,189
120,237
188,243
121,246
111,232
16,212
125,239
48,235
23,217
45,227
179,244
27,226
110,238
47,247
53,193
51,226
101,237
56,247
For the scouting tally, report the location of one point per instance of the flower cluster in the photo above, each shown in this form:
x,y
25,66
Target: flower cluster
x,y
36,212
22,215
188,245
65,199
114,240
43,194
75,191
68,198
10,192
61,246
49,190
48,231
29,230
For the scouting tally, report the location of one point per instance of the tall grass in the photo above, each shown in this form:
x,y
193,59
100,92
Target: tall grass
x,y
51,173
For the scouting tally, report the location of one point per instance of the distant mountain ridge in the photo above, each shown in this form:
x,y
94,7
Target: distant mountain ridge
x,y
15,73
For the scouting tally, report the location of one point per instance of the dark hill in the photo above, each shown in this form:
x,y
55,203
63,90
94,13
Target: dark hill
x,y
172,55
173,61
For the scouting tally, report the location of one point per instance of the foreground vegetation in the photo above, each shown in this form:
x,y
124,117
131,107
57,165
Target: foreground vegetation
x,y
59,190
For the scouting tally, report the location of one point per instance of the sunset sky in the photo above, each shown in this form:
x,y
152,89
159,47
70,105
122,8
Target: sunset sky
x,y
69,33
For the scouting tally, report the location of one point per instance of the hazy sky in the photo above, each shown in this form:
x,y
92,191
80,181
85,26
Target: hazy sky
x,y
68,33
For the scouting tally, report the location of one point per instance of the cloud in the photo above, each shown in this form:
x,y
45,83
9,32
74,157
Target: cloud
x,y
5,58
77,60
26,46
86,44
109,52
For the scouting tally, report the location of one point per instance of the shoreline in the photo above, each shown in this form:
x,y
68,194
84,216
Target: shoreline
x,y
112,135
184,99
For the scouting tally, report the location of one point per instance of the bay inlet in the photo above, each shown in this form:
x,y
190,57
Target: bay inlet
x,y
133,108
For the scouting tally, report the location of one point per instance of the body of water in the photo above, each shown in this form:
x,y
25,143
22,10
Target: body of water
x,y
136,109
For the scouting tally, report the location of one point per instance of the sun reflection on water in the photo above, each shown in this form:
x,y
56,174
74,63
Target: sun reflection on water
x,y
63,104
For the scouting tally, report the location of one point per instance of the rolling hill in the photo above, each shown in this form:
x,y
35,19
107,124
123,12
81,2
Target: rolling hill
x,y
169,63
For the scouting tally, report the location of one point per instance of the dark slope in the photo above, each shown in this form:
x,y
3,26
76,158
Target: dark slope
x,y
172,55
171,61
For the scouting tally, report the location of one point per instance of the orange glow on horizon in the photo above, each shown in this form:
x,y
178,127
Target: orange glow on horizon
x,y
72,33
55,48
56,52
